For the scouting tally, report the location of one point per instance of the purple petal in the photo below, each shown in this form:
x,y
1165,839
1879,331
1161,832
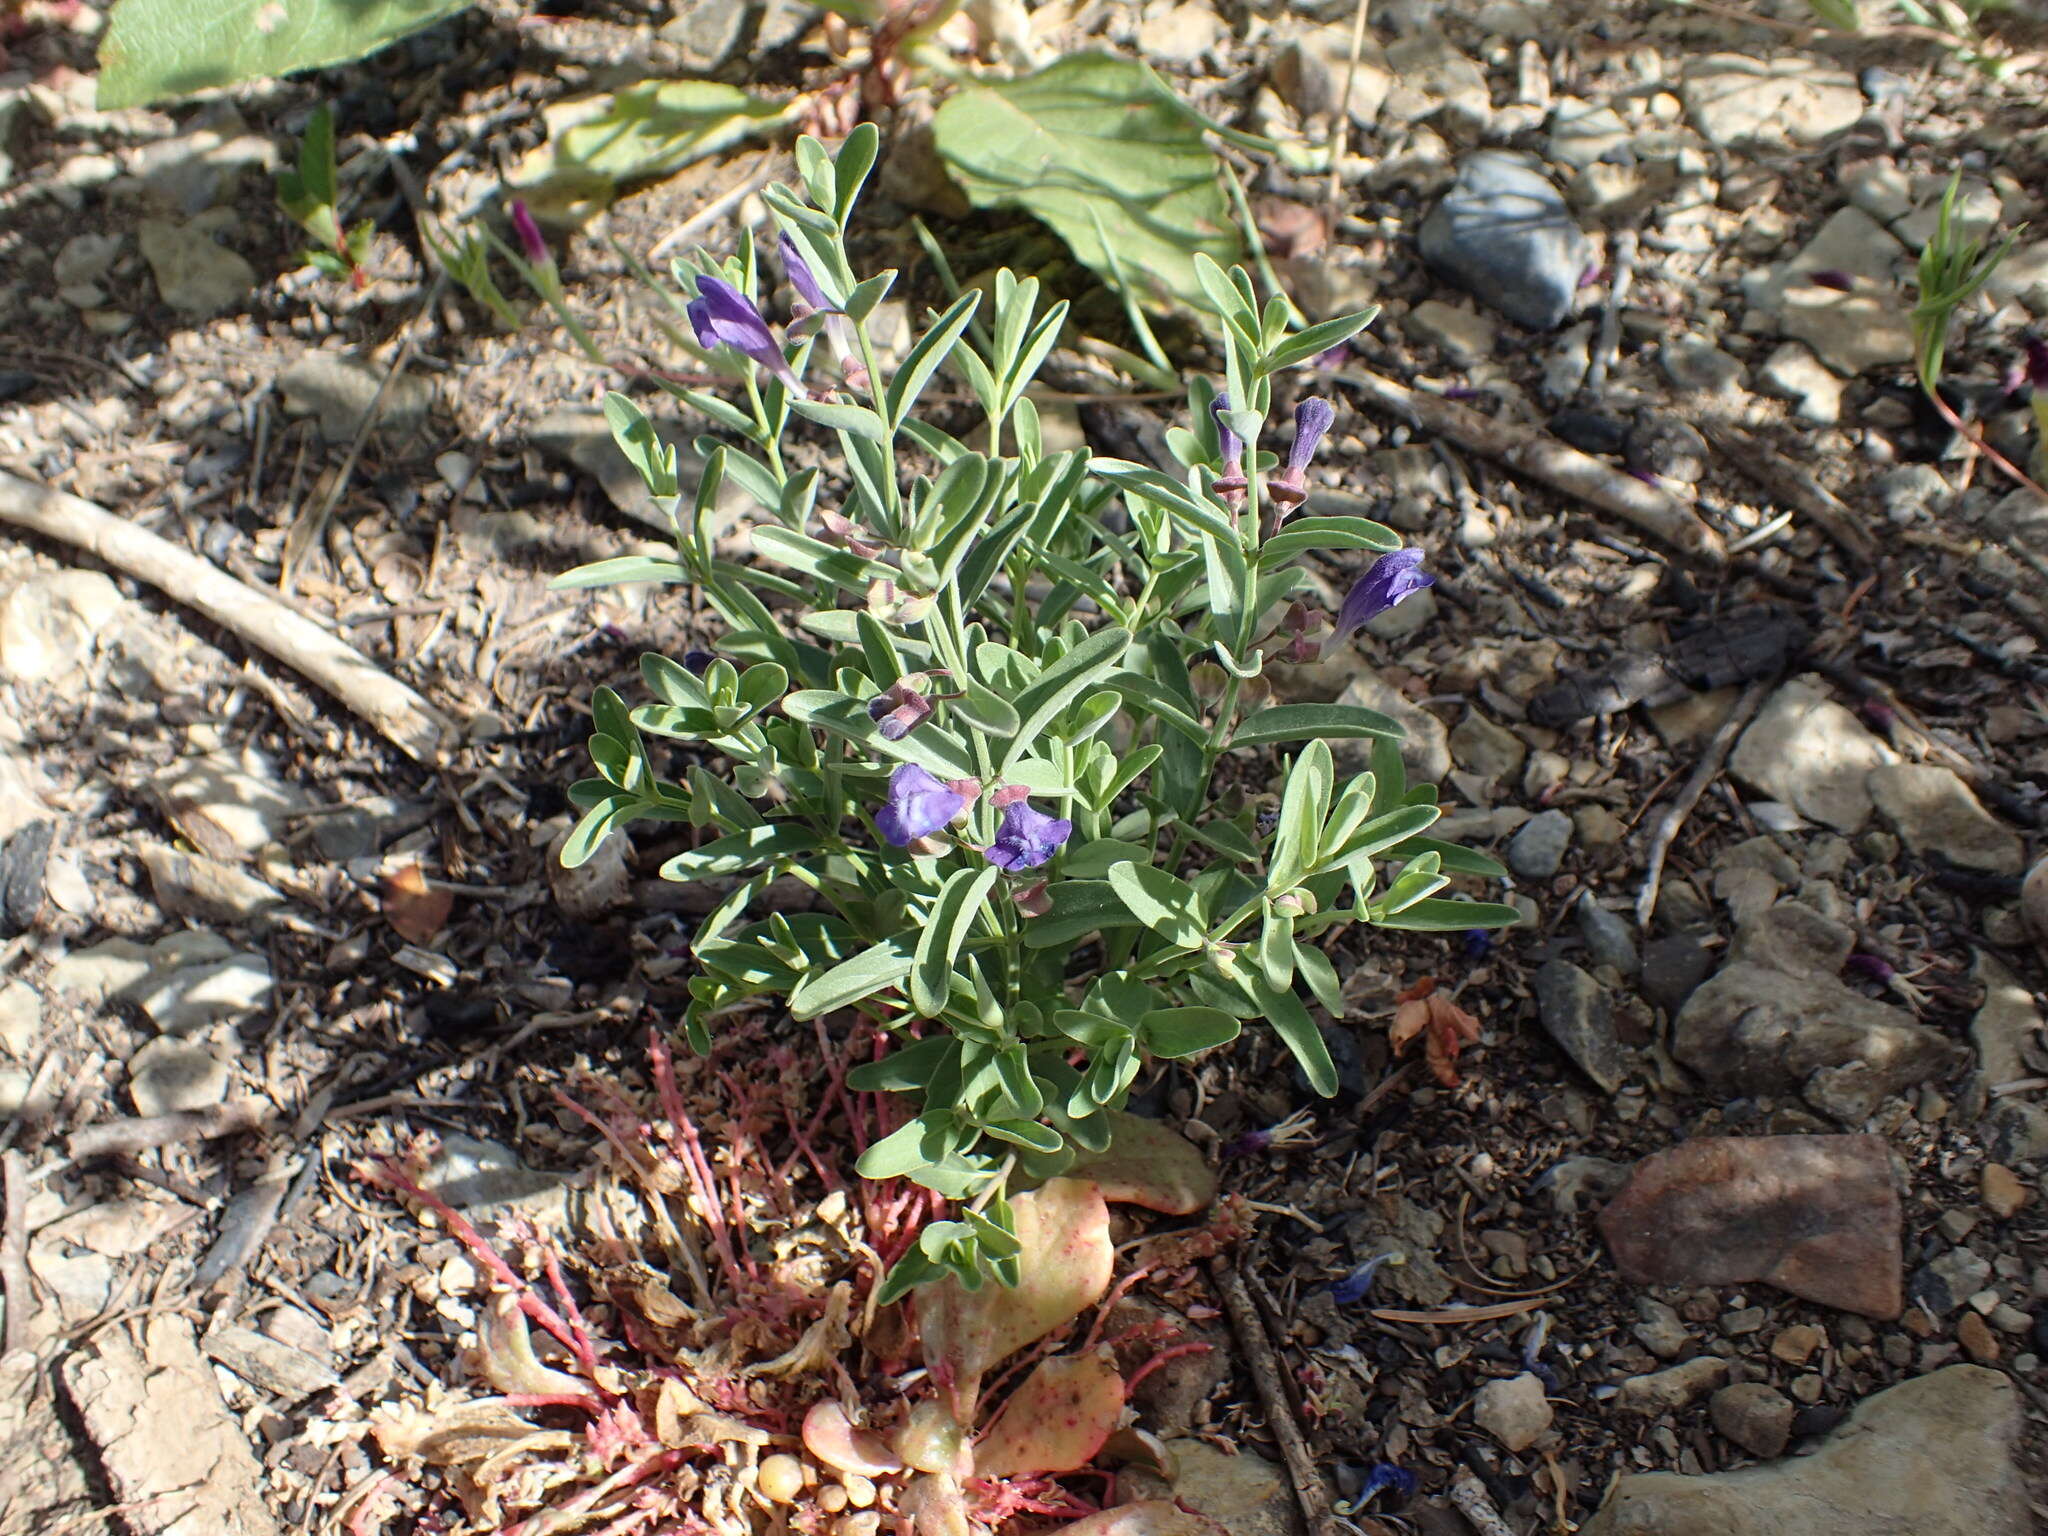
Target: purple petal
x,y
1392,577
917,806
800,275
723,316
1026,838
1312,419
1233,450
530,239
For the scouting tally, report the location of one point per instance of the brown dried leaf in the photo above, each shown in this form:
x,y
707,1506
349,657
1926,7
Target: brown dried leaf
x,y
1149,1164
415,910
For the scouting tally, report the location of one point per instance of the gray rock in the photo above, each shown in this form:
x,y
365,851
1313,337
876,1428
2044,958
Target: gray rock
x,y
1794,373
2005,1024
1513,1411
188,998
1673,968
336,390
1410,616
1433,80
85,259
1578,1182
473,1175
1667,447
50,625
1244,1493
195,274
1933,1456
1777,1019
1808,751
1671,1388
1538,849
168,1075
1913,492
1395,1224
1575,1013
1465,336
1309,73
1608,937
583,438
1582,132
1945,1283
1503,232
192,885
1661,1331
1492,751
1425,747
1755,1416
2015,1131
1184,34
1696,366
1936,814
1734,99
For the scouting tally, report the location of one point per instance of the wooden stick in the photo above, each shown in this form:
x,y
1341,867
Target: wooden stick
x,y
1264,1363
1581,476
14,1280
165,1130
1608,344
1777,474
400,715
1674,814
1470,1497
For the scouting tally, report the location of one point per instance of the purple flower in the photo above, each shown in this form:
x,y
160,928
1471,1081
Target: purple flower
x,y
1385,1477
1355,1286
530,239
1026,838
1230,485
1832,277
917,806
697,661
723,316
812,301
1392,577
1312,419
801,277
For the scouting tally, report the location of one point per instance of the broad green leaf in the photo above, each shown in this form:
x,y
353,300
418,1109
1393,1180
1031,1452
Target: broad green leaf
x,y
1096,147
598,144
157,50
1162,902
882,965
1304,805
1456,860
1291,1021
923,360
1057,685
854,420
1079,908
1173,1032
1306,533
1382,833
1304,722
1316,340
741,851
938,942
900,1071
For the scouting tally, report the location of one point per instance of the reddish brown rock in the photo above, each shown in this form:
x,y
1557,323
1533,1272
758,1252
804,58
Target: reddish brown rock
x,y
1814,1215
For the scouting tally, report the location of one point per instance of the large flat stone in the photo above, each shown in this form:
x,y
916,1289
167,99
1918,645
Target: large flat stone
x,y
1808,751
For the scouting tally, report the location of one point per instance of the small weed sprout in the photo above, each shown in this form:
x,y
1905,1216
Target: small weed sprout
x,y
309,195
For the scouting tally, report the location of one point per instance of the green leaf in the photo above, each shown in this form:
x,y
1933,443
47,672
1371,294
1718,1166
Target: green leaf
x,y
1313,966
1316,340
883,965
625,568
157,50
851,166
924,359
1080,668
739,851
1458,861
1162,902
1303,722
1382,833
1304,805
598,144
900,1071
1291,1022
1306,533
1437,916
1079,908
1175,1032
641,444
1096,147
903,1149
855,420
938,942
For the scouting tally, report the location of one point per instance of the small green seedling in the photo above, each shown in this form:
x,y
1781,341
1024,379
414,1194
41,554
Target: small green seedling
x,y
308,196
1953,270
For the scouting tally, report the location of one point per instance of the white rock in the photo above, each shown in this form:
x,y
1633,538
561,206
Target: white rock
x,y
1181,34
1733,99
1935,813
1513,1411
195,273
85,259
1697,366
1808,751
50,624
21,1018
1582,132
1976,214
169,1074
1794,373
231,807
1465,335
196,997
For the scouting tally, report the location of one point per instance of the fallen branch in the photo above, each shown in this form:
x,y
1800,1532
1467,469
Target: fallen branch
x,y
1764,465
400,715
1607,346
14,1281
1533,452
1267,1375
131,1136
1709,769
1471,1500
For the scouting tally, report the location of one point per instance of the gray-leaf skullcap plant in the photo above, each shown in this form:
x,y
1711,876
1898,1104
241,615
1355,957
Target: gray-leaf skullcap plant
x,y
811,300
1312,420
1393,576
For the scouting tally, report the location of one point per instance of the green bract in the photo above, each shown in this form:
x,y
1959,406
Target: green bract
x,y
1033,621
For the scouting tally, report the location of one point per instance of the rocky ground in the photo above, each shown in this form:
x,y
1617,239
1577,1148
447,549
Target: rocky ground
x,y
1733,1223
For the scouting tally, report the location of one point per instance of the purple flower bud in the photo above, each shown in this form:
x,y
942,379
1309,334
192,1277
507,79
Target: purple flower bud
x,y
723,316
1870,968
530,240
1312,420
1393,576
801,277
917,805
1230,484
1832,277
1026,838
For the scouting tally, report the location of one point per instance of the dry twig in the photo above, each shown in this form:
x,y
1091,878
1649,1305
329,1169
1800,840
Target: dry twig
x,y
1674,814
404,719
1608,344
1471,1499
14,1281
130,1136
1267,1374
1777,474
1534,452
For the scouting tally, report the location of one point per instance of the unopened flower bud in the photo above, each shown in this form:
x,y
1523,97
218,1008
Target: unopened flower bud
x,y
1009,795
1032,899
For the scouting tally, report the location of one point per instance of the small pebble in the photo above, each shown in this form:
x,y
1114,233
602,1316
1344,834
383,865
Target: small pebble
x,y
781,1479
1795,1345
1756,1417
2004,1193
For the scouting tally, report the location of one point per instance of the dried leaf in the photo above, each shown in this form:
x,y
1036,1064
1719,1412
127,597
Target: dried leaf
x,y
1445,1027
504,1354
1064,1268
415,910
1150,1164
1057,1420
